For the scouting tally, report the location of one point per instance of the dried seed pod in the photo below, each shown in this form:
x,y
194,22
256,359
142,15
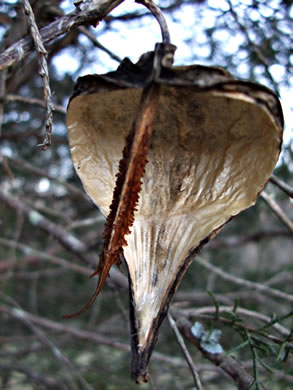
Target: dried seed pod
x,y
215,143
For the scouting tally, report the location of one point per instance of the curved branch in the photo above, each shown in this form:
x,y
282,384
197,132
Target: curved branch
x,y
156,11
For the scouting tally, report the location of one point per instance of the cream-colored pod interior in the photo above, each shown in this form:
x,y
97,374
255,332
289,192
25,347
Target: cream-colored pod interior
x,y
211,154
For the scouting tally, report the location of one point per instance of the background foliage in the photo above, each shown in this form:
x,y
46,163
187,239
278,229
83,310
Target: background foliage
x,y
51,232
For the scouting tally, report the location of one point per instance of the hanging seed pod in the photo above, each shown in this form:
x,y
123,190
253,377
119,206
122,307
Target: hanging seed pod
x,y
215,143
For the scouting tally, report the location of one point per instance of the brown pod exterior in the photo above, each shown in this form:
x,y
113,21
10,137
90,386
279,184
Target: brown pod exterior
x,y
215,143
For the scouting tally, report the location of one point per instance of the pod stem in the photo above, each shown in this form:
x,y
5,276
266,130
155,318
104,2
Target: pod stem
x,y
158,14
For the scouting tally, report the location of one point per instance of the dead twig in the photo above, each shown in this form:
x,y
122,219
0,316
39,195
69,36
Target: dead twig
x,y
156,11
186,353
43,71
96,43
277,210
282,185
34,101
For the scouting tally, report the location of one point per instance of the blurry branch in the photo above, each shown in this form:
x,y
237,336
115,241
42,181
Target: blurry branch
x,y
2,95
46,273
96,43
23,165
212,312
116,279
66,239
185,351
43,71
243,282
48,211
234,242
254,47
36,378
86,335
277,210
17,312
140,14
282,185
86,222
33,101
242,379
183,298
33,256
84,15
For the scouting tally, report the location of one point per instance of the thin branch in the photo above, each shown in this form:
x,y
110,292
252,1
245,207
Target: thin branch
x,y
116,279
26,166
86,335
17,312
277,210
282,185
66,239
201,312
87,15
86,222
94,40
185,351
243,282
255,48
236,241
33,253
43,71
158,14
36,378
33,101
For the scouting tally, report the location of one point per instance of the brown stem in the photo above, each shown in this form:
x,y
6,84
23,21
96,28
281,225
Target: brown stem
x,y
156,11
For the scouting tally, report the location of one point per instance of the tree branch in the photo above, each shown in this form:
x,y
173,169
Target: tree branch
x,y
34,101
282,185
65,238
23,165
185,351
242,379
46,381
86,335
243,282
277,210
86,14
